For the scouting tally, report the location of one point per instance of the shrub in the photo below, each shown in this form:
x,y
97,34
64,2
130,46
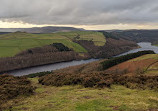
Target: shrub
x,y
61,47
139,81
11,87
86,80
100,80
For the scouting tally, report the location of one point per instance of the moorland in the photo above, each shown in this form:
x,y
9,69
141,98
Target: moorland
x,y
126,83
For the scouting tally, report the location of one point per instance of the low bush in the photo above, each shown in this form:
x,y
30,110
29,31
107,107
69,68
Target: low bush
x,y
11,87
140,81
87,80
100,80
117,60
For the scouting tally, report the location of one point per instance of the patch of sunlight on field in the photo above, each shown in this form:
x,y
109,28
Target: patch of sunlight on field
x,y
97,37
78,98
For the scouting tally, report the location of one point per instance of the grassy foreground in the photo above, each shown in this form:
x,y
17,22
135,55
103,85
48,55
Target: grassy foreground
x,y
13,43
78,98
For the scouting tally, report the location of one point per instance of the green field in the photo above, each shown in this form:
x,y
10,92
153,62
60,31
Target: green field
x,y
147,56
97,37
13,43
78,98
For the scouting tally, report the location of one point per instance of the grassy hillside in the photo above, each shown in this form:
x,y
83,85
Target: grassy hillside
x,y
13,43
78,98
129,91
96,37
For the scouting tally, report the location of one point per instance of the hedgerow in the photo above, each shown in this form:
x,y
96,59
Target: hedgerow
x,y
117,60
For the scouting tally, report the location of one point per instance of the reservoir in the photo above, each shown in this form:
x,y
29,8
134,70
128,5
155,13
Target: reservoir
x,y
50,67
143,46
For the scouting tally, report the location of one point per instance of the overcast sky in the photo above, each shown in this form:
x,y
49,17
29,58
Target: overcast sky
x,y
95,14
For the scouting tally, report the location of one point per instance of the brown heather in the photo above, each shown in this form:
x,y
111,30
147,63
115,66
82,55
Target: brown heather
x,y
11,87
100,80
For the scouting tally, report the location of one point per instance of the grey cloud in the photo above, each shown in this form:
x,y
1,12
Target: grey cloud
x,y
77,12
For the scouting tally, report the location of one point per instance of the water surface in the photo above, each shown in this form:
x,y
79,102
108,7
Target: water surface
x,y
144,46
50,67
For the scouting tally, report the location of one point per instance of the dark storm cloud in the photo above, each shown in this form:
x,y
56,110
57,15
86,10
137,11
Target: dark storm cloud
x,y
80,11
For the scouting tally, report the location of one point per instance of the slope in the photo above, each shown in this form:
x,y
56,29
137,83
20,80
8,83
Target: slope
x,y
13,43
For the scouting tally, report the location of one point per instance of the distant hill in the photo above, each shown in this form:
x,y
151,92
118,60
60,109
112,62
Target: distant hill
x,y
49,29
137,35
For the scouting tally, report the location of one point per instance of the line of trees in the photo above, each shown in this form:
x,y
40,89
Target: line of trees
x,y
114,61
111,48
19,62
61,47
49,54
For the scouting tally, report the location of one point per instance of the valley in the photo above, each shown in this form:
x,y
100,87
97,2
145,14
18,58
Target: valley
x,y
51,67
89,87
78,55
98,72
23,50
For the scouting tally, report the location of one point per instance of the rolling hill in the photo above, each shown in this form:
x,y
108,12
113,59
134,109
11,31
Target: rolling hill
x,y
39,49
14,43
137,35
123,90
